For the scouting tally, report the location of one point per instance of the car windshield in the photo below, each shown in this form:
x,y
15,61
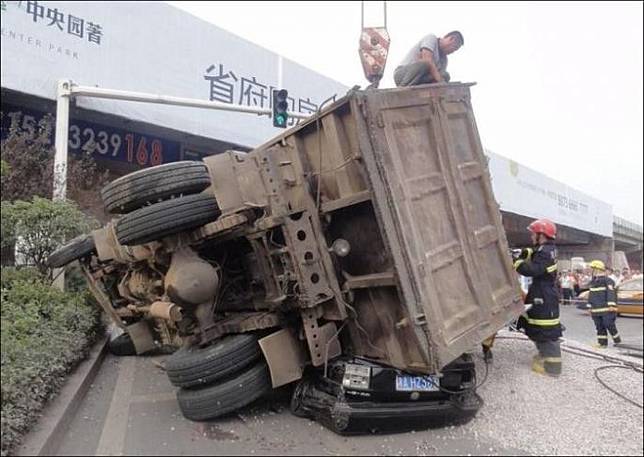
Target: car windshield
x,y
633,284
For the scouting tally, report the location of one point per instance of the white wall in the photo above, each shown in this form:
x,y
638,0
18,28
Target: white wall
x,y
521,190
152,47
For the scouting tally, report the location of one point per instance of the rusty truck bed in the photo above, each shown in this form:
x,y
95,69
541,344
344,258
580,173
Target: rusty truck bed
x,y
400,174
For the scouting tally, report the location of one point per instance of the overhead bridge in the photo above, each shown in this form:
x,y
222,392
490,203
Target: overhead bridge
x,y
586,226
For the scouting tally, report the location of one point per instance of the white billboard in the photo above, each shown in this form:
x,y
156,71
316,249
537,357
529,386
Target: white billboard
x,y
154,48
521,190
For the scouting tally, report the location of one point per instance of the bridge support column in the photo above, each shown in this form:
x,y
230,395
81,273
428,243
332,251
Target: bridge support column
x,y
599,248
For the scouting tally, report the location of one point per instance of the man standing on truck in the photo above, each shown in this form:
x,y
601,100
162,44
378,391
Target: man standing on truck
x,y
542,321
603,304
426,62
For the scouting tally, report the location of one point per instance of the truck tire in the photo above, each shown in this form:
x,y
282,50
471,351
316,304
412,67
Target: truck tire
x,y
194,366
155,184
166,218
77,248
223,398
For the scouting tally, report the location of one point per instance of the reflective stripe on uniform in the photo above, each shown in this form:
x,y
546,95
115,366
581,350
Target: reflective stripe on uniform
x,y
597,289
551,268
611,303
543,322
517,263
600,310
602,337
552,359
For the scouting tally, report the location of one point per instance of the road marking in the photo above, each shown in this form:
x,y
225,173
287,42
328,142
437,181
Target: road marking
x,y
154,398
112,440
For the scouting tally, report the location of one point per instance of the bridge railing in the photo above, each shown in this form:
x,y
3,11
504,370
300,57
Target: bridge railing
x,y
627,228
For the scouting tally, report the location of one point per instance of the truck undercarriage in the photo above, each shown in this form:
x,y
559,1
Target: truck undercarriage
x,y
360,254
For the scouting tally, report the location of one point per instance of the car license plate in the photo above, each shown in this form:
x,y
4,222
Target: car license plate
x,y
417,384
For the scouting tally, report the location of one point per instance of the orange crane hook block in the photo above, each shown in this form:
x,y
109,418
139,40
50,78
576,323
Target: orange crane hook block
x,y
374,47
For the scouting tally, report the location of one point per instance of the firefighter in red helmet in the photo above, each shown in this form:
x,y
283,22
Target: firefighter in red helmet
x,y
541,323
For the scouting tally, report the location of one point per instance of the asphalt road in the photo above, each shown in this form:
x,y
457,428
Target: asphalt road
x,y
579,326
131,410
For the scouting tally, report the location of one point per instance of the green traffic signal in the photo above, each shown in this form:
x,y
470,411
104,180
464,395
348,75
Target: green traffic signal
x,y
280,108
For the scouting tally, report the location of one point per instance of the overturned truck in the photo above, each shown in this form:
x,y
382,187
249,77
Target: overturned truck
x,y
359,256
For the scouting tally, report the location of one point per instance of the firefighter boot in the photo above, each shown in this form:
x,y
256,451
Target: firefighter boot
x,y
602,341
537,365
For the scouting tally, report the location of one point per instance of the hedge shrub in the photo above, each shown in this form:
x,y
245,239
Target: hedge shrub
x,y
10,275
45,333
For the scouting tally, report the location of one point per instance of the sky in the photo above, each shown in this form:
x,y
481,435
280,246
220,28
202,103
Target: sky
x,y
558,84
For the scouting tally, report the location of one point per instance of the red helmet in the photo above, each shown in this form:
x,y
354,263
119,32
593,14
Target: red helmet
x,y
545,226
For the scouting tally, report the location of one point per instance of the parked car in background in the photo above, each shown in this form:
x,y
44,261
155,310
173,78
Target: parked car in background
x,y
629,297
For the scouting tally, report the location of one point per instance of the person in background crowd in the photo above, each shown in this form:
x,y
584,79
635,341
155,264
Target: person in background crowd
x,y
567,281
615,275
577,276
626,274
584,281
619,276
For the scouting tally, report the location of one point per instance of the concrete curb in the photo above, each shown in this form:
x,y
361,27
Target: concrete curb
x,y
45,436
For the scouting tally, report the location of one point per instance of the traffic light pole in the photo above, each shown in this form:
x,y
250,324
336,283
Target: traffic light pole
x,y
98,92
63,100
67,90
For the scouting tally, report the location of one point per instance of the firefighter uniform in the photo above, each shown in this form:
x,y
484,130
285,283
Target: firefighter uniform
x,y
542,323
603,301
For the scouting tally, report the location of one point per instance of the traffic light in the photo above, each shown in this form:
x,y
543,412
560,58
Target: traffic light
x,y
280,108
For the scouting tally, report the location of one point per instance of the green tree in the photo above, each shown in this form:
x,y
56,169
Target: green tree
x,y
28,170
39,227
28,167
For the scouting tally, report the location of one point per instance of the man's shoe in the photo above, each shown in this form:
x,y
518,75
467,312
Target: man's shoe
x,y
600,346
